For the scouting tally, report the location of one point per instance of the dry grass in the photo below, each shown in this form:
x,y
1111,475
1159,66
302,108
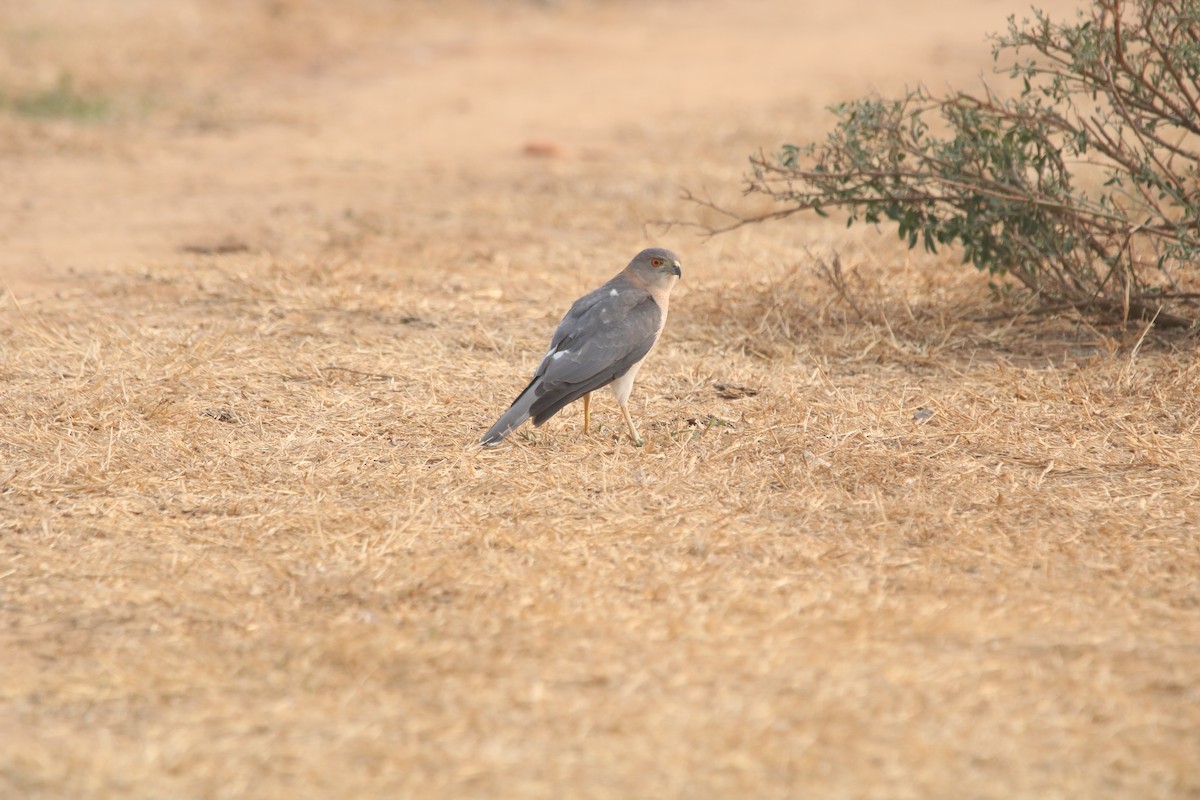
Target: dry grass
x,y
909,550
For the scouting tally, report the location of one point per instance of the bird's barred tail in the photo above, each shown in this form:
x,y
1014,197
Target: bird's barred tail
x,y
512,419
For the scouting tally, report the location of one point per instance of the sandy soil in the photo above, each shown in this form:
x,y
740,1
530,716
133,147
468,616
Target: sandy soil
x,y
268,123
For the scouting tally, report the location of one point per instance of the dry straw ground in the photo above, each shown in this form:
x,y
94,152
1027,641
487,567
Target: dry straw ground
x,y
272,268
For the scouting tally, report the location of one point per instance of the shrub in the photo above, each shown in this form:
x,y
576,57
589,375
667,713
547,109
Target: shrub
x,y
1083,186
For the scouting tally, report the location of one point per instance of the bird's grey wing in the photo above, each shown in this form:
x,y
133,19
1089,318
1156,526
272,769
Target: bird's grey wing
x,y
604,333
596,343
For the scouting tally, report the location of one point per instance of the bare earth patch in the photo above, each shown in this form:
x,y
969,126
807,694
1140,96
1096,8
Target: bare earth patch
x,y
269,271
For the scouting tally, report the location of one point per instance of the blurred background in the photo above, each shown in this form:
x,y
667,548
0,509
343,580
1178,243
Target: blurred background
x,y
134,130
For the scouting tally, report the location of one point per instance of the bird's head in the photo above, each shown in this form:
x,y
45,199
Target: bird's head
x,y
657,267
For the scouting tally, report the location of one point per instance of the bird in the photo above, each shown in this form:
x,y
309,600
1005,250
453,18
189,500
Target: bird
x,y
602,341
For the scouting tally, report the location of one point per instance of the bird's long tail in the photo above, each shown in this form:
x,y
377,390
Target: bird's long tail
x,y
512,419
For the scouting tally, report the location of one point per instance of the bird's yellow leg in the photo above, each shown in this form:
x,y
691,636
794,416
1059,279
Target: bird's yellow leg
x,y
637,439
587,414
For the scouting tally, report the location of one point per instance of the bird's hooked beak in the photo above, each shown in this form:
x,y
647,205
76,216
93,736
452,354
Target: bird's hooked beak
x,y
677,269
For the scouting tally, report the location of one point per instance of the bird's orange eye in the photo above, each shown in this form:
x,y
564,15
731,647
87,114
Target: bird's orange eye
x,y
656,262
